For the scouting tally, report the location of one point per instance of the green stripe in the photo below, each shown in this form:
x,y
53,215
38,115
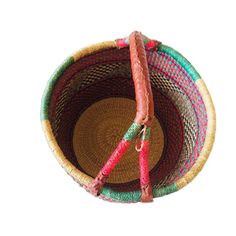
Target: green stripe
x,y
135,196
147,134
50,86
181,60
132,132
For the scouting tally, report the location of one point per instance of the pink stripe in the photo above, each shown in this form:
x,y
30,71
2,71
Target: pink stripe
x,y
115,157
151,44
143,163
121,43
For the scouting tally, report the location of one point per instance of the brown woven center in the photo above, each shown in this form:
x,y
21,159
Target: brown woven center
x,y
98,131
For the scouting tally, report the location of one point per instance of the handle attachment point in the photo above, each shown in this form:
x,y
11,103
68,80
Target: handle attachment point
x,y
150,44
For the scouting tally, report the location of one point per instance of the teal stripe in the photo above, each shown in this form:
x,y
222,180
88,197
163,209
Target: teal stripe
x,y
135,196
132,132
181,60
50,86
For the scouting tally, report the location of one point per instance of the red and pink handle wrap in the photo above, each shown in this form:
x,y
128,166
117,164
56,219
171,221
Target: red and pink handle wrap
x,y
142,121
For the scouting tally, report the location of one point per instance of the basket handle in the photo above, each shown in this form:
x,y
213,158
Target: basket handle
x,y
141,126
142,85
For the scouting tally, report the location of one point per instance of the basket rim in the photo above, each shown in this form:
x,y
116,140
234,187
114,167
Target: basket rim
x,y
83,179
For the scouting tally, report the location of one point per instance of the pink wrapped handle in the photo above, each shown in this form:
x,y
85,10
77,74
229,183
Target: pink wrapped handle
x,y
142,121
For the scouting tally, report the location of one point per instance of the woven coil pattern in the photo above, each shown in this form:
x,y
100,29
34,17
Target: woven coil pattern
x,y
83,113
90,130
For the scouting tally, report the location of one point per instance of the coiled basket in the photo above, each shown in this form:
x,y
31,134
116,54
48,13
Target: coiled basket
x,y
130,120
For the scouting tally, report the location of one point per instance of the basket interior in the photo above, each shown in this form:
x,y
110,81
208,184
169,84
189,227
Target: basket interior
x,y
92,105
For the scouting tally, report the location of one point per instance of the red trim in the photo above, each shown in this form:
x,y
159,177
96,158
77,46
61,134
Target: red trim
x,y
115,157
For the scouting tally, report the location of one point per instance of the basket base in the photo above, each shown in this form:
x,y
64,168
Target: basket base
x,y
97,133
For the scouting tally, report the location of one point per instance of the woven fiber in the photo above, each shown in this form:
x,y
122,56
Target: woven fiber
x,y
94,140
89,103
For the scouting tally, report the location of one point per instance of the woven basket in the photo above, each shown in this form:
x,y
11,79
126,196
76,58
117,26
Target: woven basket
x,y
129,120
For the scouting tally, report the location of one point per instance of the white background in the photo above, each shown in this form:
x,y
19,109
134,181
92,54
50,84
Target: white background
x,y
36,195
